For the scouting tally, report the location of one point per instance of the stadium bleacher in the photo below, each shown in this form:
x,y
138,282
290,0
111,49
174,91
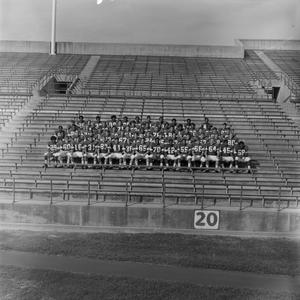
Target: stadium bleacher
x,y
178,88
289,63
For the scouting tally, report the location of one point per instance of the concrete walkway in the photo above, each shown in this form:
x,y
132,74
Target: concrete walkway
x,y
128,229
206,277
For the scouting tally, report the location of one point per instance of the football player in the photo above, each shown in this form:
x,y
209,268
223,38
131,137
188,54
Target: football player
x,y
241,155
53,151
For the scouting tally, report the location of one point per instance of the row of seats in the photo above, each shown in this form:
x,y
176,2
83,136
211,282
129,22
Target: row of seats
x,y
273,140
173,75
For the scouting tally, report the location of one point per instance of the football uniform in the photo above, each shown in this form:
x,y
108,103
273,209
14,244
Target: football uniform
x,y
226,152
53,151
212,154
241,153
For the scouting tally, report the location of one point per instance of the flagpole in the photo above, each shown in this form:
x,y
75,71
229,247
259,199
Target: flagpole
x,y
53,28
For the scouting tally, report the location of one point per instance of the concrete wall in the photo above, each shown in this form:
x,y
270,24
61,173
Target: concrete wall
x,y
177,217
25,46
124,49
148,49
271,44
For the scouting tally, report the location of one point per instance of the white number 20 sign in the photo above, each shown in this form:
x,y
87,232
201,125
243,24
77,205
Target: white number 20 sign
x,y
206,219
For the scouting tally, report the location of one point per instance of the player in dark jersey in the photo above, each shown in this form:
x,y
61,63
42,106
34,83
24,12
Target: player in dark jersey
x,y
183,153
241,155
52,152
89,151
81,122
98,124
60,133
66,149
116,152
206,125
198,154
141,152
227,154
212,154
77,147
170,155
157,152
104,150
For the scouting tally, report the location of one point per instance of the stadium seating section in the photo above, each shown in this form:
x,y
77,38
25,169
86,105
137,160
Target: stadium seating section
x,y
172,87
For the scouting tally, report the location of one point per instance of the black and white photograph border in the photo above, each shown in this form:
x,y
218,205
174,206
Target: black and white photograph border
x,y
149,149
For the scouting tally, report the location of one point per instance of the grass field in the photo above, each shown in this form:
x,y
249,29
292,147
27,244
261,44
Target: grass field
x,y
270,256
27,284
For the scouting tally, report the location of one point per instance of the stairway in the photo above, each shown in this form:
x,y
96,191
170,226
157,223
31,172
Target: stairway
x,y
85,75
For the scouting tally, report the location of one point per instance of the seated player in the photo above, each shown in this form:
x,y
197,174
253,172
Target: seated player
x,y
53,151
116,152
212,154
198,154
81,122
98,124
206,125
149,154
171,155
157,152
241,155
89,151
60,133
141,152
226,153
128,153
77,153
112,122
103,151
188,124
183,154
65,153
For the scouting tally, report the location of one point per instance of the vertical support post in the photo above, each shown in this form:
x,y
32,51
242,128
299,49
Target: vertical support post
x,y
14,190
202,200
163,189
241,198
127,194
279,198
89,193
51,192
53,28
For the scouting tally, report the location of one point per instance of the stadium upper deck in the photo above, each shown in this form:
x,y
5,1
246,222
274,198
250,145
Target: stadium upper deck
x,y
20,72
171,76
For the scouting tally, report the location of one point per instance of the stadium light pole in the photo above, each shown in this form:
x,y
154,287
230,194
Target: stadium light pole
x,y
53,28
